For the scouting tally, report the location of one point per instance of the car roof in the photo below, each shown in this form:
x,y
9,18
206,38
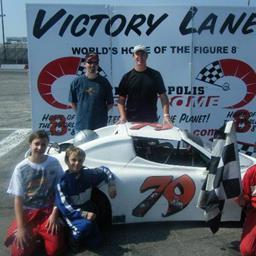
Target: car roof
x,y
146,130
153,130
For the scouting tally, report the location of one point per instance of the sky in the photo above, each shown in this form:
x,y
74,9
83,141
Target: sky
x,y
15,10
15,15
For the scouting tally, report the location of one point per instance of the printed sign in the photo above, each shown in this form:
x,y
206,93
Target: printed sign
x,y
203,53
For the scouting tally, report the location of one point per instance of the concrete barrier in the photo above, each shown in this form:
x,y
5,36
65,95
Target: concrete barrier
x,y
13,67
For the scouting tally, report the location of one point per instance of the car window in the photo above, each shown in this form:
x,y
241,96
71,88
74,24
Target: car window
x,y
170,152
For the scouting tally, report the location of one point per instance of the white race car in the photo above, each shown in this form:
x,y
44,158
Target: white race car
x,y
158,173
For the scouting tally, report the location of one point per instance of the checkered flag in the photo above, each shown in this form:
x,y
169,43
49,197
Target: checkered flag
x,y
224,177
247,148
211,73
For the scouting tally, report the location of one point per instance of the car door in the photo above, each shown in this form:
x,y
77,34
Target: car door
x,y
161,182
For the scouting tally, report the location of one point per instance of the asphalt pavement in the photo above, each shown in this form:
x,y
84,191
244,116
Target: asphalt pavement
x,y
156,239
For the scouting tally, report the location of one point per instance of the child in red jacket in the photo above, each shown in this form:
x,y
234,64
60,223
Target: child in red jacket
x,y
248,201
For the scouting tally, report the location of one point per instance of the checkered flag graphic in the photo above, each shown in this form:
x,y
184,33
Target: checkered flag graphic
x,y
81,70
223,180
210,73
247,148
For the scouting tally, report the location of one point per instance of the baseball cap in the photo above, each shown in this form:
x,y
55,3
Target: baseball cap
x,y
139,48
92,56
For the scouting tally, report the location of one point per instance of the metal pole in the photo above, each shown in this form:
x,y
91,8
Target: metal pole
x,y
2,19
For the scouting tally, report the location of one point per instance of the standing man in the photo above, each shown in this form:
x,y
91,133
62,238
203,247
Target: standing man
x,y
91,96
139,90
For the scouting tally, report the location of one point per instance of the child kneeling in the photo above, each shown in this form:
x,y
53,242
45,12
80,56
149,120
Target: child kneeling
x,y
74,198
33,185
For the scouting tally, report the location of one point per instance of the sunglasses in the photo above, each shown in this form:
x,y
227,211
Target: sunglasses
x,y
92,62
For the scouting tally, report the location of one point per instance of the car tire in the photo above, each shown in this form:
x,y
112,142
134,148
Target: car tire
x,y
103,209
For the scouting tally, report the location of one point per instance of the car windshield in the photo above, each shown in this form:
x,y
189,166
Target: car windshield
x,y
171,152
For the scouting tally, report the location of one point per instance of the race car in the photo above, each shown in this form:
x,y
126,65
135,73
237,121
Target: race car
x,y
158,172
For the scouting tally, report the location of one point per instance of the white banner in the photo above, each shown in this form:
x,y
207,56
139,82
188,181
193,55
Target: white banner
x,y
205,55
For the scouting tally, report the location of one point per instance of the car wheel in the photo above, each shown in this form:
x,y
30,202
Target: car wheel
x,y
103,209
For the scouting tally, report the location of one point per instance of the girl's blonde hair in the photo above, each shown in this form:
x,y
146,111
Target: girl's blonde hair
x,y
74,150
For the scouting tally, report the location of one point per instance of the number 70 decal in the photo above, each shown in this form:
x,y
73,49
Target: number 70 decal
x,y
178,192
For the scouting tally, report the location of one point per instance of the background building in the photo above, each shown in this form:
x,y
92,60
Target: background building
x,y
14,51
